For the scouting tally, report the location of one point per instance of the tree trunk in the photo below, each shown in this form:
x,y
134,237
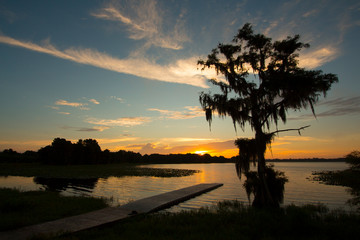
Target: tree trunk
x,y
263,197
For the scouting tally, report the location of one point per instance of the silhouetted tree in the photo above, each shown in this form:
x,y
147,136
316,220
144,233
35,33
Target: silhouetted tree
x,y
353,159
79,155
9,155
87,151
9,151
59,152
106,156
262,81
92,150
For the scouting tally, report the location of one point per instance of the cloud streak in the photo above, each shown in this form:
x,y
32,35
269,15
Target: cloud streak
x,y
61,102
337,107
85,129
318,57
323,27
191,112
66,103
94,101
179,72
119,122
144,20
341,106
118,99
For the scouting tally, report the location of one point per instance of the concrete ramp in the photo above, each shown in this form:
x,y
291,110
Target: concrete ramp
x,y
110,214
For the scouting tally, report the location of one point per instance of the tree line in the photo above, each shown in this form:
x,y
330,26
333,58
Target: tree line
x,y
88,151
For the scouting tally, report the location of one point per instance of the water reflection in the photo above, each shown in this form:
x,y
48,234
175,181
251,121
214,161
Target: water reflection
x,y
299,190
63,184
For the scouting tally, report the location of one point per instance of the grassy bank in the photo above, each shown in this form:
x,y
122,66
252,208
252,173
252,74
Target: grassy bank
x,y
232,220
87,171
18,209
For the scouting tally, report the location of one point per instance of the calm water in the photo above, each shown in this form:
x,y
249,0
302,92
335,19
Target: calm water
x,y
299,190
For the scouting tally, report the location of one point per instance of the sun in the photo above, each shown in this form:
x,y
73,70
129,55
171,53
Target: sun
x,y
201,152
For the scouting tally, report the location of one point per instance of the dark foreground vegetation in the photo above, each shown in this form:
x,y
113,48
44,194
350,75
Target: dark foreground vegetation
x,y
227,220
233,220
348,178
18,209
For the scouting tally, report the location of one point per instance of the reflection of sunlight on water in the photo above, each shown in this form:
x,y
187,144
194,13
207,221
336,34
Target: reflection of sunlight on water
x,y
20,183
298,190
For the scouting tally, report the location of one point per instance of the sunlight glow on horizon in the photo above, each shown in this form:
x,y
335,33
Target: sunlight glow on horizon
x,y
201,152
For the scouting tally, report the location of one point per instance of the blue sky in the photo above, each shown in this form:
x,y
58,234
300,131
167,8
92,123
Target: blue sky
x,y
125,73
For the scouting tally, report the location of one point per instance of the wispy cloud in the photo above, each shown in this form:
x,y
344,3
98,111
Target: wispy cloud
x,y
66,103
62,102
319,57
118,99
342,102
119,122
93,129
179,72
190,112
323,27
144,20
336,107
341,106
64,113
288,139
186,140
311,12
94,101
116,140
87,129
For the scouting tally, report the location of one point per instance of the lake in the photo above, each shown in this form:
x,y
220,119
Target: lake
x,y
120,190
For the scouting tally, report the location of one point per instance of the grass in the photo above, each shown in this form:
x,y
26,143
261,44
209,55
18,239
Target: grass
x,y
87,171
232,220
18,209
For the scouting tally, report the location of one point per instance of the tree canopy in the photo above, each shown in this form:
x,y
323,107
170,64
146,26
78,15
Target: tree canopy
x,y
262,82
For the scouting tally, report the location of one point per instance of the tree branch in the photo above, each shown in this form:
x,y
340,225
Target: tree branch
x,y
275,106
291,129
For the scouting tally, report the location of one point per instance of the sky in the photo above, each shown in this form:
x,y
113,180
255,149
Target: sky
x,y
125,73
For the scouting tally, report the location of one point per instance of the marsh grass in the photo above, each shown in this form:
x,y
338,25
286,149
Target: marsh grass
x,y
233,220
18,209
346,178
87,171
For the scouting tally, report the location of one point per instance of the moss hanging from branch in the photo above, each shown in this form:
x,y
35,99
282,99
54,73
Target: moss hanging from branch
x,y
248,149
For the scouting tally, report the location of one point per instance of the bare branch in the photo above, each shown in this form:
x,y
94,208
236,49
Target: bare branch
x,y
291,129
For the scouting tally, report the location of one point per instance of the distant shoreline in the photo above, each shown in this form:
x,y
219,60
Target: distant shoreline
x,y
233,160
308,160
